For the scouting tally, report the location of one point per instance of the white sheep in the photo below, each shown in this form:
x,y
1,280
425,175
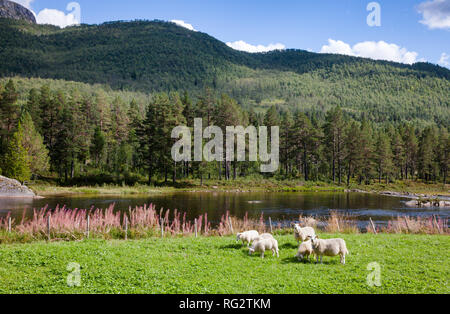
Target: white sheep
x,y
329,247
247,237
301,234
265,244
264,236
305,250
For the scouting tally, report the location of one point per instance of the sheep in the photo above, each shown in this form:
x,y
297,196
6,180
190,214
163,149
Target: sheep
x,y
329,247
301,234
305,250
265,244
247,237
264,236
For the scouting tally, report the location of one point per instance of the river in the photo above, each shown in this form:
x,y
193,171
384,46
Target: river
x,y
279,206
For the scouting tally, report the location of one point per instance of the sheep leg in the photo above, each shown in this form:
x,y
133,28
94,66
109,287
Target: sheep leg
x,y
262,255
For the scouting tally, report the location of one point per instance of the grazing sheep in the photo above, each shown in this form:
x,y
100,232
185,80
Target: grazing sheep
x,y
301,234
329,247
264,236
263,245
247,237
305,250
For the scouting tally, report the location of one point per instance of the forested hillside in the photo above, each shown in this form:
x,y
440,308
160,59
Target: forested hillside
x,y
160,56
97,104
90,134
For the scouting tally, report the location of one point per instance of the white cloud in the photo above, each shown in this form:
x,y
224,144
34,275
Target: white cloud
x,y
373,50
243,46
184,24
444,60
435,14
56,17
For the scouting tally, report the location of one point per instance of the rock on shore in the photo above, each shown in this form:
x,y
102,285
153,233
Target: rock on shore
x,y
10,188
428,204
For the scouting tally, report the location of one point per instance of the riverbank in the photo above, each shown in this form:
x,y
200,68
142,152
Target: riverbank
x,y
408,264
407,189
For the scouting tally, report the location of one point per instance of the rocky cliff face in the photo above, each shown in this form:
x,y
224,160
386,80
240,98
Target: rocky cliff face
x,y
12,10
13,188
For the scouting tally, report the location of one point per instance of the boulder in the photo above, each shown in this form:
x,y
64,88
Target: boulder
x,y
10,188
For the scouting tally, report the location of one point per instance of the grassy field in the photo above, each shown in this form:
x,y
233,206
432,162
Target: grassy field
x,y
409,264
48,189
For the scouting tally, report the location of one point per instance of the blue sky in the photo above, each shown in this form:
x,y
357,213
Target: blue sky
x,y
410,31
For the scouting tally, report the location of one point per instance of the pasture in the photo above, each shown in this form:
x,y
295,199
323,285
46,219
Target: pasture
x,y
211,265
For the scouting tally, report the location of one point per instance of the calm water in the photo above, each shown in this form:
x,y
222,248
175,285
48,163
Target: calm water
x,y
279,206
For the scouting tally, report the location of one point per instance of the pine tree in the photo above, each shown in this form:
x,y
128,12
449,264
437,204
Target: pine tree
x,y
33,143
353,149
9,110
33,108
383,157
334,141
426,154
410,148
98,145
443,153
286,141
365,167
16,163
304,140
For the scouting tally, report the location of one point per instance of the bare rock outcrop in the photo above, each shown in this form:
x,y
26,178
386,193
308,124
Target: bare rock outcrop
x,y
12,10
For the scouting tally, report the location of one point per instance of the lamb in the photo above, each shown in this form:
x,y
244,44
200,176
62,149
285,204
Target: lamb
x,y
265,244
329,247
247,237
305,250
301,234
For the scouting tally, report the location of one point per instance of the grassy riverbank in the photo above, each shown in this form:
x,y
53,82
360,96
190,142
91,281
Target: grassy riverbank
x,y
409,264
241,185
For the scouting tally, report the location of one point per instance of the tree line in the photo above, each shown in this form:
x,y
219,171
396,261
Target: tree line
x,y
92,139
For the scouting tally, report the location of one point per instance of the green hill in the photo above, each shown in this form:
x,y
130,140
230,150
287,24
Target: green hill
x,y
159,56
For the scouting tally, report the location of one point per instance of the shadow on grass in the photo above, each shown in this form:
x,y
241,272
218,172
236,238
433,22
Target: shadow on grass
x,y
294,260
236,246
289,246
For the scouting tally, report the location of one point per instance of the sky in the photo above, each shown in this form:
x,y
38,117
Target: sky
x,y
406,31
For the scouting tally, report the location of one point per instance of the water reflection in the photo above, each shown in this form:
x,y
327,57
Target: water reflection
x,y
279,206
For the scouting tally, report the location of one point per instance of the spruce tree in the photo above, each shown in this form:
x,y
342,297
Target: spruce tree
x,y
33,143
16,164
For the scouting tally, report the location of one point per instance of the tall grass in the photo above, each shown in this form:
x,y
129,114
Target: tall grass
x,y
146,221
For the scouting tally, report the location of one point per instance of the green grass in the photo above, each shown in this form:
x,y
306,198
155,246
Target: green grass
x,y
409,264
246,184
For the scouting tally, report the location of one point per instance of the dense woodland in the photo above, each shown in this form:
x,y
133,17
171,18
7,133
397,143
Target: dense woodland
x,y
84,134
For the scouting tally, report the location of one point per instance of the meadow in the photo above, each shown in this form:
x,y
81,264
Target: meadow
x,y
408,264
